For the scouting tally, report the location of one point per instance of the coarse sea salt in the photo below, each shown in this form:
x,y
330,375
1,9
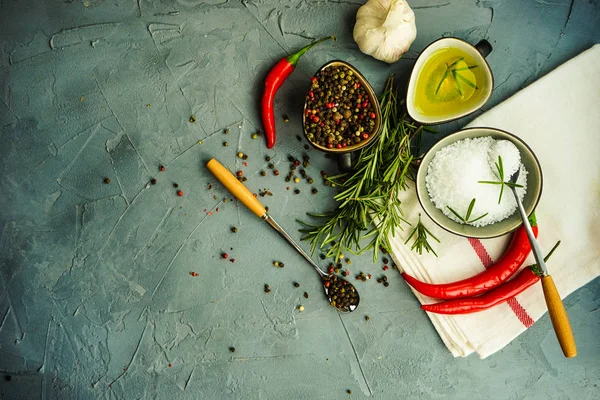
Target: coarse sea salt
x,y
511,158
453,179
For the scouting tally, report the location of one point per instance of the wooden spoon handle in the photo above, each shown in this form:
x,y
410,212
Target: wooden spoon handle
x,y
236,188
559,318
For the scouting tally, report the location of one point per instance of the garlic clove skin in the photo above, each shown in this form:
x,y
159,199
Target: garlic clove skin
x,y
385,29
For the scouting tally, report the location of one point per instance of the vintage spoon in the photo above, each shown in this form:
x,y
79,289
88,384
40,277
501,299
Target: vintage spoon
x,y
341,294
556,309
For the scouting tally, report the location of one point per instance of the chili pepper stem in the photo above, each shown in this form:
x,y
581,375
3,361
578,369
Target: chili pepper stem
x,y
536,269
293,58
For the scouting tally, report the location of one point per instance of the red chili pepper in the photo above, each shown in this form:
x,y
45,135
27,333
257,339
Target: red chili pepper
x,y
273,82
524,279
502,293
512,259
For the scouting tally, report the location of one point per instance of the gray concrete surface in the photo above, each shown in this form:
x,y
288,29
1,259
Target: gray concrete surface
x,y
96,299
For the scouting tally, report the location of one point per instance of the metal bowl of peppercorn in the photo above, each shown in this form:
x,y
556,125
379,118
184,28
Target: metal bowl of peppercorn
x,y
341,111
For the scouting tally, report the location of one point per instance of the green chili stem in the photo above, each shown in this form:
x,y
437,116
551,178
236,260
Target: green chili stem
x,y
293,58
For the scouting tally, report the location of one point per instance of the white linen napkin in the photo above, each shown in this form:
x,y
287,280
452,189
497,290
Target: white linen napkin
x,y
559,117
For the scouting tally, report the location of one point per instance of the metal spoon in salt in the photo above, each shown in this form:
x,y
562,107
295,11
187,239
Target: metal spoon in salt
x,y
341,294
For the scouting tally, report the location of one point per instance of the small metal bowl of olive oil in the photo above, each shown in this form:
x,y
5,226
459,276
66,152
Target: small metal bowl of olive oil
x,y
450,80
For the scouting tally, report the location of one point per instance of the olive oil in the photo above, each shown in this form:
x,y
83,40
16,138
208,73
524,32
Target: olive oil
x,y
450,83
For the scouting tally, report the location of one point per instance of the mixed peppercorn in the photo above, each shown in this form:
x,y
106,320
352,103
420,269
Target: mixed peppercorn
x,y
338,111
342,295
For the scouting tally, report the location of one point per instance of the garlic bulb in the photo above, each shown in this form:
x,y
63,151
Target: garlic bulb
x,y
385,29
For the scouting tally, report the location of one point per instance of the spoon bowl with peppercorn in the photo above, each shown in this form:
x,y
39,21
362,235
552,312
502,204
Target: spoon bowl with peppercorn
x,y
341,112
341,294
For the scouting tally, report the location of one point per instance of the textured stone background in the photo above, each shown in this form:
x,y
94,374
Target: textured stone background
x,y
94,279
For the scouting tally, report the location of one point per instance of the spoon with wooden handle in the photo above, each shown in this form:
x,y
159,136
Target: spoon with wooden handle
x,y
556,308
341,294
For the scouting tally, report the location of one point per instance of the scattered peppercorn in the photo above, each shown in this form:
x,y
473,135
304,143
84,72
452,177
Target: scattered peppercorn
x,y
298,138
296,179
310,181
225,144
224,256
192,273
192,119
179,193
314,191
305,295
367,318
234,229
170,365
267,288
286,119
8,378
385,267
267,158
239,173
254,136
275,172
386,284
385,260
175,185
349,391
276,263
322,256
306,146
296,284
226,131
106,180
240,154
232,349
162,168
271,166
153,181
300,308
297,191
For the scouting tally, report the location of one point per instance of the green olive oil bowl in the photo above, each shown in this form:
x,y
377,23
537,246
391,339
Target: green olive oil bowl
x,y
530,201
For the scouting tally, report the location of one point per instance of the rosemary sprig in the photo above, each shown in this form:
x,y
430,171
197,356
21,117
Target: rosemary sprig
x,y
421,241
368,209
457,76
466,219
501,182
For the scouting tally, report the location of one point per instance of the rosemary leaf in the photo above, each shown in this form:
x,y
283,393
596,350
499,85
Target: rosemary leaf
x,y
455,213
470,209
457,83
465,80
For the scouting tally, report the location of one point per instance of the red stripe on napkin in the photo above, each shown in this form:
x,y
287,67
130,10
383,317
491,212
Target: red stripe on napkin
x,y
513,303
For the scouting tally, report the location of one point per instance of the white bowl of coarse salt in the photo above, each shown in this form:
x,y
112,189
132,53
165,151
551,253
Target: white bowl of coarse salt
x,y
463,182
